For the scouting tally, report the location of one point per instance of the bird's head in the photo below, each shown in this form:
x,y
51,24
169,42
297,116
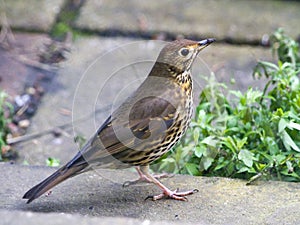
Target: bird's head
x,y
180,54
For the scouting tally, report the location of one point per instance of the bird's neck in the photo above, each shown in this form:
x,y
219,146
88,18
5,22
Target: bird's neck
x,y
161,69
173,75
185,81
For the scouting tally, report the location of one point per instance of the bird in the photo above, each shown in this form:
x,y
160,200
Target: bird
x,y
144,127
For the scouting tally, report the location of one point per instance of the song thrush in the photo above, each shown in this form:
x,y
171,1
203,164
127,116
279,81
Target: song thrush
x,y
147,125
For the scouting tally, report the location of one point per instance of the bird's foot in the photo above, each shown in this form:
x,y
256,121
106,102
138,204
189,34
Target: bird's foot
x,y
144,178
173,195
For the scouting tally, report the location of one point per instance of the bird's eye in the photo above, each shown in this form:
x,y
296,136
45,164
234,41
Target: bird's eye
x,y
184,51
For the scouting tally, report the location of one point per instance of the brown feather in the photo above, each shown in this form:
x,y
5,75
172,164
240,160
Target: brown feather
x,y
56,178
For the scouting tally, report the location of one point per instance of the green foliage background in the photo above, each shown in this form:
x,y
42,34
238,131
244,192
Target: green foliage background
x,y
6,110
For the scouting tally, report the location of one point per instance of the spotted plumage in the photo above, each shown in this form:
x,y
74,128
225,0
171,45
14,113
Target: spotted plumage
x,y
146,126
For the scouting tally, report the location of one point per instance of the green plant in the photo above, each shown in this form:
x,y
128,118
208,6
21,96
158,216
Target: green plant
x,y
53,162
247,135
65,20
6,110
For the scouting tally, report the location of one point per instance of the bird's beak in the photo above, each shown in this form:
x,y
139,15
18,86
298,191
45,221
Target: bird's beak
x,y
204,43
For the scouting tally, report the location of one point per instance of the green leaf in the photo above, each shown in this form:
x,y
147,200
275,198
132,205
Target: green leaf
x,y
169,160
292,174
221,165
282,125
196,135
279,112
229,143
206,162
210,140
270,65
192,169
236,93
252,96
288,141
53,162
243,169
199,150
241,143
246,156
279,159
293,125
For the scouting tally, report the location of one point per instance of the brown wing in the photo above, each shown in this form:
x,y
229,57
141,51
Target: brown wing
x,y
128,129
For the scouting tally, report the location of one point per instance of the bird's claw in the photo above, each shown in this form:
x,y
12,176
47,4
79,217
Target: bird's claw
x,y
173,195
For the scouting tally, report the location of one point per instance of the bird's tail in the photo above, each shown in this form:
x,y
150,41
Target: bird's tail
x,y
54,179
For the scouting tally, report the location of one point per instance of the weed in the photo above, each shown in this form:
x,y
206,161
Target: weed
x,y
6,110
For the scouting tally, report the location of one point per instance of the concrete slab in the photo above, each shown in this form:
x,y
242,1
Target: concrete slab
x,y
24,218
228,19
31,14
102,72
100,194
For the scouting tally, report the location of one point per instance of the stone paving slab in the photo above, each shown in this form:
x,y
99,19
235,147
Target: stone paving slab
x,y
29,218
31,14
228,19
100,194
102,72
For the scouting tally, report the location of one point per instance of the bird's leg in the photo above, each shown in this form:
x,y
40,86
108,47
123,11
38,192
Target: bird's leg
x,y
166,191
144,178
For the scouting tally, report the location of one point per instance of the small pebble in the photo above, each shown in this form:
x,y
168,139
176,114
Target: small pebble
x,y
5,149
22,100
31,91
24,123
57,141
265,40
13,128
